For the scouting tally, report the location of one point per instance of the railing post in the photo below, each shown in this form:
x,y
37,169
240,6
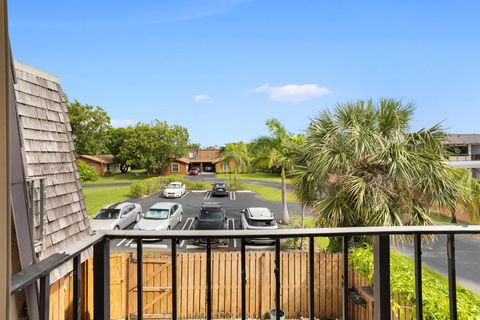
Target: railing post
x,y
45,297
174,279
311,258
101,280
346,290
418,277
452,281
381,276
139,279
209,279
244,280
77,281
277,278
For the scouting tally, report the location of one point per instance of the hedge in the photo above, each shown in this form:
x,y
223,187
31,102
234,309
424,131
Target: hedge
x,y
434,286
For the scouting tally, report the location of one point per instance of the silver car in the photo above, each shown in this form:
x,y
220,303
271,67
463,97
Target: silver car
x,y
117,216
258,218
161,216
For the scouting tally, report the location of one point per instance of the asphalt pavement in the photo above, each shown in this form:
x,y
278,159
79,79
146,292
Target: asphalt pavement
x,y
467,253
191,202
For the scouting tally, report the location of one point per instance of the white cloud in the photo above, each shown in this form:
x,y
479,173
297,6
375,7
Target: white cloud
x,y
293,92
121,123
202,98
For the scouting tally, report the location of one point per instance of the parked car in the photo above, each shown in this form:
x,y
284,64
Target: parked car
x,y
208,168
258,218
193,172
174,190
220,189
117,216
211,217
161,216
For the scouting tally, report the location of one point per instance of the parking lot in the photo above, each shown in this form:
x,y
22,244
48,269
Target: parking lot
x,y
191,202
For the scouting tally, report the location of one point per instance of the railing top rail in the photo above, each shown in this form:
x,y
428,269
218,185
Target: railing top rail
x,y
290,233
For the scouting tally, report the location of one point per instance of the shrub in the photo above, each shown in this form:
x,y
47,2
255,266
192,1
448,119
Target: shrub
x,y
86,172
198,185
236,185
435,286
138,189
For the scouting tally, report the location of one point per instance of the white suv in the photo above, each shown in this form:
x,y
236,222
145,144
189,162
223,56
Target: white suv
x,y
258,218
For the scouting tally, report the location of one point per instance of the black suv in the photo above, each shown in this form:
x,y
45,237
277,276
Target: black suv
x,y
219,189
211,217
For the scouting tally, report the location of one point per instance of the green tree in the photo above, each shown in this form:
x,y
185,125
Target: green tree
x,y
152,146
275,151
115,145
361,166
238,152
89,128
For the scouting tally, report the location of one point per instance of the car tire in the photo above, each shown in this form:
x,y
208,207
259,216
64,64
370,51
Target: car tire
x,y
181,218
116,228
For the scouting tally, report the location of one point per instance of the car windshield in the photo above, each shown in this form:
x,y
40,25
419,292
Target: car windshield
x,y
211,214
157,214
174,186
262,223
106,214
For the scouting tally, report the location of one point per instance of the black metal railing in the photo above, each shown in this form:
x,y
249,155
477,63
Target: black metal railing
x,y
101,247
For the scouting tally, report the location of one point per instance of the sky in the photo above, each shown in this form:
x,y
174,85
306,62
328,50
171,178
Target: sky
x,y
222,67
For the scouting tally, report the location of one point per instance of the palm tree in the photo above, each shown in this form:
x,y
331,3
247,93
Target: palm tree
x,y
275,151
361,166
238,152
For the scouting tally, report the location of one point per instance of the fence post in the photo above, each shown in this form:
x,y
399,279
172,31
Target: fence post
x,y
381,277
101,280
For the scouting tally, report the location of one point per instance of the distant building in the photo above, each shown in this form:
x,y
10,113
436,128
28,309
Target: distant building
x,y
101,163
207,160
464,152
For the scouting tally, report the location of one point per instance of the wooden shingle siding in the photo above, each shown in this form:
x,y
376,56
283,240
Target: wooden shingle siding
x,y
49,152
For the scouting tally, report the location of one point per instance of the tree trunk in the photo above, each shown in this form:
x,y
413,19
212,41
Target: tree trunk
x,y
286,216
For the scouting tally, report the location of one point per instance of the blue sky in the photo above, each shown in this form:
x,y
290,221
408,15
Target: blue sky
x,y
222,67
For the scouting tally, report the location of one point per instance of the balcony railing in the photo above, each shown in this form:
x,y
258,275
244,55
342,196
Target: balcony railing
x,y
101,247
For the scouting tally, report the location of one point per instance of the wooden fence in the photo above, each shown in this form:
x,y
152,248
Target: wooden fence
x,y
226,288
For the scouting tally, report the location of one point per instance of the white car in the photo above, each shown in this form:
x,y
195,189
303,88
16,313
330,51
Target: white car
x,y
258,218
161,216
117,216
174,190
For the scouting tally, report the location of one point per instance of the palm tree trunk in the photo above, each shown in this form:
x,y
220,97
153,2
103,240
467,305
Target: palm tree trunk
x,y
286,216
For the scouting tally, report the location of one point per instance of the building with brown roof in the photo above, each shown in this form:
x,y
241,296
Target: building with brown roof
x,y
207,160
102,163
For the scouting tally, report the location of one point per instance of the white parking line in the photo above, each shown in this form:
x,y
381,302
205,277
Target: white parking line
x,y
184,194
234,196
207,195
128,243
183,228
120,243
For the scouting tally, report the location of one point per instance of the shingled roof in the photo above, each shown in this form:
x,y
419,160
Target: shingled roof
x,y
49,153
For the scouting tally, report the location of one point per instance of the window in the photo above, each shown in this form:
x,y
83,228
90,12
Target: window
x,y
175,167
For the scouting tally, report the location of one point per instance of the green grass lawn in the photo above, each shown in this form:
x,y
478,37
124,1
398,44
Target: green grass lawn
x,y
268,193
98,197
272,177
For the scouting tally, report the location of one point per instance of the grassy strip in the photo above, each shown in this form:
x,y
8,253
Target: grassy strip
x,y
97,198
261,176
268,193
435,286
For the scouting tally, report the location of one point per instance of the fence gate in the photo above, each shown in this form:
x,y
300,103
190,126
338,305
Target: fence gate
x,y
157,287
